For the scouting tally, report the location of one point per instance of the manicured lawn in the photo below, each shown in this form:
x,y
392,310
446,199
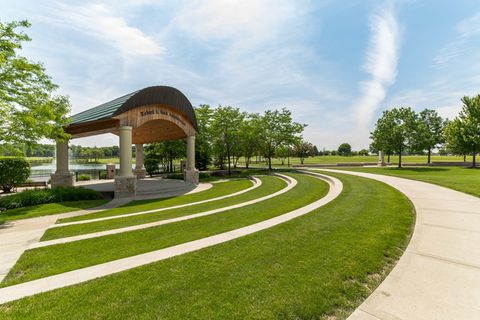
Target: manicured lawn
x,y
317,266
355,159
48,209
270,185
461,179
217,190
41,262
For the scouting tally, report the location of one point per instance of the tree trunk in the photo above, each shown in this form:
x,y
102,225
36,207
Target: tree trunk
x,y
400,159
429,155
301,160
269,162
474,160
464,158
247,161
388,157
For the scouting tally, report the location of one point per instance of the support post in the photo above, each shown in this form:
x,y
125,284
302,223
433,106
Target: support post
x,y
125,182
381,159
62,176
139,171
190,174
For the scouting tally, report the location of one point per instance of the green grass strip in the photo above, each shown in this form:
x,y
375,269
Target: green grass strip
x,y
217,190
456,178
48,209
270,184
318,266
42,262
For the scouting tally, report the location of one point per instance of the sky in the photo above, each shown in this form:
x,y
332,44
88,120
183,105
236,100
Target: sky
x,y
335,64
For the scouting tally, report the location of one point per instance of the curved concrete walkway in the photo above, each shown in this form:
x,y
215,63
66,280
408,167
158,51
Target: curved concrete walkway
x,y
256,183
30,288
438,276
291,184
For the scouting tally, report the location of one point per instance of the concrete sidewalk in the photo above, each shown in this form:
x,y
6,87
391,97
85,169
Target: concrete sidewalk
x,y
438,276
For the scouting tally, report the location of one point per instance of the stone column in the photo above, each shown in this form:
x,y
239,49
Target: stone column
x,y
381,159
139,171
190,174
62,176
125,182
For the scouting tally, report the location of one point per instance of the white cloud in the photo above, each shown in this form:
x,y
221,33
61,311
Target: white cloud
x,y
381,64
98,20
466,30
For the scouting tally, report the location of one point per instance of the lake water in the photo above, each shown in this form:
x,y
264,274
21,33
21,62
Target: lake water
x,y
42,171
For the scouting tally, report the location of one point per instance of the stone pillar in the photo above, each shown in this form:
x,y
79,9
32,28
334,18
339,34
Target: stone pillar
x,y
62,176
381,159
139,171
190,174
125,182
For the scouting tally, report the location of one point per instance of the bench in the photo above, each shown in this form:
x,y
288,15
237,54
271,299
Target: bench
x,y
33,184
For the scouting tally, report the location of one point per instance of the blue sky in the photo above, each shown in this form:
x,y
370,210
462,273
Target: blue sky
x,y
336,64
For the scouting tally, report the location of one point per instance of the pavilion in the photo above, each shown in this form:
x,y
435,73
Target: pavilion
x,y
152,114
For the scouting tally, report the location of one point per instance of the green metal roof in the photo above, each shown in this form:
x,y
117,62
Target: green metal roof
x,y
147,96
103,111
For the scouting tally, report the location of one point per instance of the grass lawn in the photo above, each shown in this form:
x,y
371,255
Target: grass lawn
x,y
48,209
317,266
42,262
217,190
269,185
461,179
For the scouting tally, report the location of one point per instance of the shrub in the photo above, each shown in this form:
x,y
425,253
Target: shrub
x,y
13,171
151,165
41,196
84,177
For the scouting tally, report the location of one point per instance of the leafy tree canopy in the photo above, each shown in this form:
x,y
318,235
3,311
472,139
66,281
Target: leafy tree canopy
x,y
29,110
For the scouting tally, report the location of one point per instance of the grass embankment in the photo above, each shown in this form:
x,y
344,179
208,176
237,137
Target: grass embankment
x,y
42,262
460,179
317,266
269,185
217,190
48,209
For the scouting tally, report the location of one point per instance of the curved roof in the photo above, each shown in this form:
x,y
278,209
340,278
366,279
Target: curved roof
x,y
150,95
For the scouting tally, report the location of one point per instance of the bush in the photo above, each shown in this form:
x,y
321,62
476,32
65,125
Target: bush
x,y
40,196
13,171
151,165
84,177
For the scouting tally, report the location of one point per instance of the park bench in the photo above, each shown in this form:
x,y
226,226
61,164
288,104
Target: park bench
x,y
33,184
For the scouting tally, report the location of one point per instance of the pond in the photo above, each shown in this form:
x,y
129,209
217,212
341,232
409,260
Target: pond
x,y
42,171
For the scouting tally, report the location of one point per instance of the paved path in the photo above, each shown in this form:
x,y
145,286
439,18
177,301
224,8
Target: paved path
x,y
438,276
291,183
256,183
30,288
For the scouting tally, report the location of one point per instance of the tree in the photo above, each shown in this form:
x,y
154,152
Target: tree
x,y
203,149
226,123
430,129
13,171
277,128
463,133
304,149
250,131
345,149
395,131
363,152
28,109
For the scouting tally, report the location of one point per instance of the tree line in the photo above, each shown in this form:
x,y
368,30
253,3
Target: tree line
x,y
226,134
402,130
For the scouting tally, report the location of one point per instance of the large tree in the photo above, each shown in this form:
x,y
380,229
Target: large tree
x,y
345,149
278,129
250,131
226,124
203,148
29,110
429,133
463,133
395,130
